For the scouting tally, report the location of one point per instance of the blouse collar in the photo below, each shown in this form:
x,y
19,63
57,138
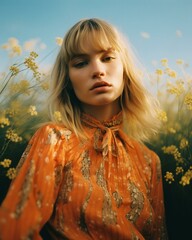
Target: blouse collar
x,y
106,133
115,122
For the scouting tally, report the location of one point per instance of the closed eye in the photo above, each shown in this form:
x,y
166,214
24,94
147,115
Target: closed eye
x,y
80,64
108,59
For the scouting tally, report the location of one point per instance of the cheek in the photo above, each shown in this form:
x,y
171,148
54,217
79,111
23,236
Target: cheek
x,y
119,69
77,88
75,80
119,75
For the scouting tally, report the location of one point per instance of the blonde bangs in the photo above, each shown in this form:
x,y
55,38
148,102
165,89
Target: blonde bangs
x,y
101,37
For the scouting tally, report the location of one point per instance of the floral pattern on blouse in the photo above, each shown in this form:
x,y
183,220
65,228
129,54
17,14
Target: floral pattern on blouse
x,y
107,187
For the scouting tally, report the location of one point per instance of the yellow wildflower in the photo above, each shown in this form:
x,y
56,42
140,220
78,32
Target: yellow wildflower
x,y
179,170
188,101
22,86
162,116
169,177
183,143
189,82
14,88
159,72
32,110
179,62
11,173
29,62
186,178
4,122
57,116
33,54
13,47
176,89
37,75
173,150
15,108
164,62
170,72
171,130
14,70
13,136
59,41
5,163
45,86
17,50
10,112
170,149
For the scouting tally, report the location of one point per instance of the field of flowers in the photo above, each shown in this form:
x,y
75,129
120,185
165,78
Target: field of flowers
x,y
174,144
23,90
174,90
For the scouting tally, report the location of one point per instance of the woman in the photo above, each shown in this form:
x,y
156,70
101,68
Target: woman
x,y
89,176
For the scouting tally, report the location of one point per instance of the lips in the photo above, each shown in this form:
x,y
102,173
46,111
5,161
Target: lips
x,y
100,84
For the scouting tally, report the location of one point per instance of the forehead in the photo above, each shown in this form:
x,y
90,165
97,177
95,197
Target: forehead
x,y
95,41
90,48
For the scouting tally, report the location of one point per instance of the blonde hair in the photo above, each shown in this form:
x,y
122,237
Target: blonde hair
x,y
138,106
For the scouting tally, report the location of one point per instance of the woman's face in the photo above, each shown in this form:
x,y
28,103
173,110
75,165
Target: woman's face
x,y
97,77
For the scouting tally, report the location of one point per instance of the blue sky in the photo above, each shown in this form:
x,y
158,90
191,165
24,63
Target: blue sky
x,y
156,28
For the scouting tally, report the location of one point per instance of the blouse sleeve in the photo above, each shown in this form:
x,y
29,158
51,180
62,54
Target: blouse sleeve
x,y
31,196
157,199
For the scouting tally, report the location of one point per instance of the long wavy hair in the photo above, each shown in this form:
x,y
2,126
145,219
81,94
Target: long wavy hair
x,y
138,106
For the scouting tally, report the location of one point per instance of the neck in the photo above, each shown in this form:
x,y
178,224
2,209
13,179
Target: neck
x,y
102,113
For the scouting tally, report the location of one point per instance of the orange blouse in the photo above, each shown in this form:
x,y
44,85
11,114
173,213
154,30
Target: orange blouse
x,y
106,188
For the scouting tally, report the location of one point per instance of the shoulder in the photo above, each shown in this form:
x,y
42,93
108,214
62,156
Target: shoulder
x,y
145,152
52,132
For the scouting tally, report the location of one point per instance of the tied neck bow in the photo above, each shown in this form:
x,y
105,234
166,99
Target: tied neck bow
x,y
105,135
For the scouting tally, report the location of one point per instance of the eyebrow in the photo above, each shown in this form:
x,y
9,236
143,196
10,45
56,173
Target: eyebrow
x,y
82,55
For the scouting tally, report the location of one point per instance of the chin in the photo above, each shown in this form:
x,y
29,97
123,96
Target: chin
x,y
104,102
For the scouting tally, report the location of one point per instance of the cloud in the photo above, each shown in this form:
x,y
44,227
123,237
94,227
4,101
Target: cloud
x,y
179,33
42,46
34,45
30,45
145,35
154,63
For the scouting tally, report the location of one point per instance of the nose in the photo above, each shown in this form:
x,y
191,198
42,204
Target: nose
x,y
98,74
98,70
